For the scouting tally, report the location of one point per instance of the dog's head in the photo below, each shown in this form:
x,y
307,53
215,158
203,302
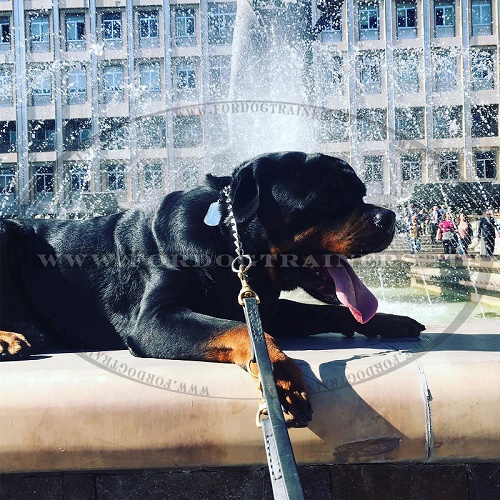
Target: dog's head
x,y
310,209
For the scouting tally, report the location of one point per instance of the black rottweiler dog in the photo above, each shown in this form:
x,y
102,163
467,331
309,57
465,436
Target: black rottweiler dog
x,y
160,282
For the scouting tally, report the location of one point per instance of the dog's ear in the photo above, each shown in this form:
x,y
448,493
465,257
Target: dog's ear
x,y
245,191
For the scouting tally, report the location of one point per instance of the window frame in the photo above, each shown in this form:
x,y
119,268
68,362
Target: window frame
x,y
481,28
221,19
489,156
119,182
5,34
150,20
403,9
73,24
446,29
39,21
183,37
449,161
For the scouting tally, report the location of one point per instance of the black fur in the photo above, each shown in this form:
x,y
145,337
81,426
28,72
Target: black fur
x,y
155,282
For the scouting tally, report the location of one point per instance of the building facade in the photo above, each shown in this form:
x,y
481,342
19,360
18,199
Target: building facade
x,y
98,96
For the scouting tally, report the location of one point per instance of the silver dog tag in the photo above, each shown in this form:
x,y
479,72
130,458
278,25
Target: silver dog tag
x,y
213,214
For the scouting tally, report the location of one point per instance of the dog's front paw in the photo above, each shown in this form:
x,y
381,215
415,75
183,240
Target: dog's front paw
x,y
13,346
292,392
292,389
391,325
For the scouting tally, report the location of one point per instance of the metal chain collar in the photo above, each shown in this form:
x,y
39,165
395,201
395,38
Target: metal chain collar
x,y
243,262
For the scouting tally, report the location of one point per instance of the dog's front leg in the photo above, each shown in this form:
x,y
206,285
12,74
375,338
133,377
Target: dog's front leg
x,y
295,318
178,333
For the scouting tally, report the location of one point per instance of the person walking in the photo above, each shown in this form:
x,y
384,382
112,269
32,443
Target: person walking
x,y
422,220
415,232
464,233
434,223
487,231
446,233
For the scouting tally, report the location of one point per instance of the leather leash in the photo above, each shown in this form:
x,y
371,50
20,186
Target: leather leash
x,y
280,458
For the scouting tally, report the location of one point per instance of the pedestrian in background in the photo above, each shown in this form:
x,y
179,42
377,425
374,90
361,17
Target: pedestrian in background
x,y
465,233
434,219
415,233
487,231
447,234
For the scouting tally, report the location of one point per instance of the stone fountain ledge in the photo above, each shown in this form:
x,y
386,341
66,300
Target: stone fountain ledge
x,y
436,399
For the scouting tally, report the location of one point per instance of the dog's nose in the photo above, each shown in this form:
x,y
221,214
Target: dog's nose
x,y
384,218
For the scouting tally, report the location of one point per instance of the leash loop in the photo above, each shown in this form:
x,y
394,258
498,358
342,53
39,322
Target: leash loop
x,y
239,263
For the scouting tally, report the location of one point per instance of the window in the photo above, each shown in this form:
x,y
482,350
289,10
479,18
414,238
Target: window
x,y
485,120
149,75
114,176
411,167
486,164
409,123
372,124
188,132
79,177
221,18
148,28
7,137
113,133
75,32
151,132
153,176
448,166
6,94
407,72
113,83
77,86
333,76
481,18
39,33
44,179
4,33
444,18
445,71
41,87
184,20
185,173
7,180
334,127
406,12
370,77
447,122
372,166
77,134
41,135
220,73
368,20
483,69
111,26
332,31
186,84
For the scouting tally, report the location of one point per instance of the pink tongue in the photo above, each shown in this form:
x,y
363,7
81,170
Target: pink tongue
x,y
352,292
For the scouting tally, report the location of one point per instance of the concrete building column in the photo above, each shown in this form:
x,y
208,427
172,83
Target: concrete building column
x,y
429,132
394,177
351,65
21,107
94,90
467,132
168,96
133,126
205,81
60,194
